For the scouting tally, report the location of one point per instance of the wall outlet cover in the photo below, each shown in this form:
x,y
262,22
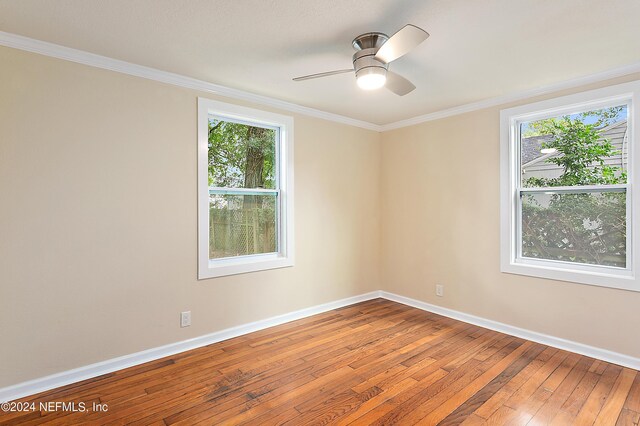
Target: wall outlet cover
x,y
185,319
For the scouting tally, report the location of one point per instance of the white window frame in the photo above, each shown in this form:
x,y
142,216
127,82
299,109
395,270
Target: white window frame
x,y
510,244
210,268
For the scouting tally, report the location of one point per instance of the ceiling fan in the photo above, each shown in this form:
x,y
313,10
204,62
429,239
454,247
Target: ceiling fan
x,y
374,52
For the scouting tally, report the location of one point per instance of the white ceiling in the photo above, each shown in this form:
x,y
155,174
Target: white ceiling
x,y
478,49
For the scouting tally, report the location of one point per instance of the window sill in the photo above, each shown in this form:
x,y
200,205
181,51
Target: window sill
x,y
620,279
243,265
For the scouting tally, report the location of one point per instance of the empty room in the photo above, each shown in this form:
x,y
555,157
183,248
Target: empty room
x,y
278,212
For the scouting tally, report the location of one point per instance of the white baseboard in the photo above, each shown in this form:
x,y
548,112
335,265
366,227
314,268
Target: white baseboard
x,y
87,372
53,381
545,339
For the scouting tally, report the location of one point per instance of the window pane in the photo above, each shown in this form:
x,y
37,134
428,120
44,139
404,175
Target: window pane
x,y
585,148
583,228
241,225
241,156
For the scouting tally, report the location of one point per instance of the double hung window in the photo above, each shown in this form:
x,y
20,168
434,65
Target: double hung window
x,y
567,188
245,189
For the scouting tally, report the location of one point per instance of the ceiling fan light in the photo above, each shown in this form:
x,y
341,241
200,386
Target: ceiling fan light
x,y
371,79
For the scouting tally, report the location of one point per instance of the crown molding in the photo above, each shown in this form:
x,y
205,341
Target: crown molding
x,y
513,97
82,57
79,56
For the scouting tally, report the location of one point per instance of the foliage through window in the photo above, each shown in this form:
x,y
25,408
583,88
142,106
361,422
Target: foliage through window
x,y
573,195
242,189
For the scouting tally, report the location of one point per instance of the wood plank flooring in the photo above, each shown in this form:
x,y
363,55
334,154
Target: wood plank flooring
x,y
376,362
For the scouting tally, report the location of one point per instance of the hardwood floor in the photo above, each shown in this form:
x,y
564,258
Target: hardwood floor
x,y
376,362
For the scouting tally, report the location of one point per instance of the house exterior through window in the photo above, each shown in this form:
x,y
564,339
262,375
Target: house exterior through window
x,y
567,179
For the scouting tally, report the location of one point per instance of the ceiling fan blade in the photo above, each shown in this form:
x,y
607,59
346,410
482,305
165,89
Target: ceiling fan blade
x,y
407,38
398,84
322,74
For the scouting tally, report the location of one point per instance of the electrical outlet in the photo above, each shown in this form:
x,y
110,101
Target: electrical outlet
x,y
185,319
439,290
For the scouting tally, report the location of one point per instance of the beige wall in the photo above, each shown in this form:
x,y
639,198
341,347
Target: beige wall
x,y
98,219
440,216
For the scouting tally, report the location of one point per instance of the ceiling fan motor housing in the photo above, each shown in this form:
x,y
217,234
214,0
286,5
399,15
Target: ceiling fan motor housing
x,y
364,61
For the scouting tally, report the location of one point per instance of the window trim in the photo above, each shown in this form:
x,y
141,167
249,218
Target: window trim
x,y
602,276
211,268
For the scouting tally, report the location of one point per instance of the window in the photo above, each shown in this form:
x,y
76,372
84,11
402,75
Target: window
x,y
567,179
245,190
